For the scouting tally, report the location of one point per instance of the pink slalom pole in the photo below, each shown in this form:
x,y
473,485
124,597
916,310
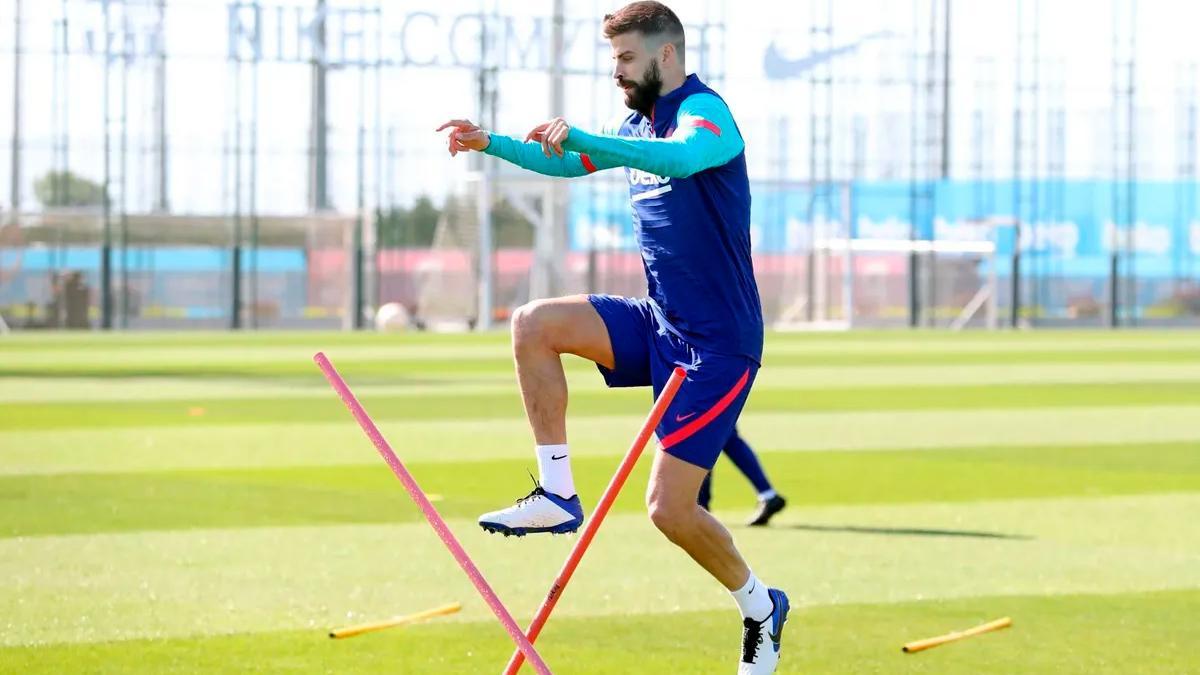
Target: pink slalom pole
x,y
524,646
593,524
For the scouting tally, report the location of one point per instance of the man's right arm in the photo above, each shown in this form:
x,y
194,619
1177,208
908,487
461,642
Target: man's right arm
x,y
530,156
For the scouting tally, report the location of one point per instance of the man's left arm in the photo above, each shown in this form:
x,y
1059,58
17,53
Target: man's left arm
x,y
704,137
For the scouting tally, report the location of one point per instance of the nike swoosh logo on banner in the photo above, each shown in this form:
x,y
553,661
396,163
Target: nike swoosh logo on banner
x,y
777,67
557,456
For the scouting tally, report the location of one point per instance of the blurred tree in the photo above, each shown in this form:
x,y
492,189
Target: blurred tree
x,y
409,227
415,226
511,228
64,188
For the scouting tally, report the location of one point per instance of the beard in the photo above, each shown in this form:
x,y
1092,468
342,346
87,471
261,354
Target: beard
x,y
641,96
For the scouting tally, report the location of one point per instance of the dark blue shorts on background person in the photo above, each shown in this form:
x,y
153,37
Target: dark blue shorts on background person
x,y
702,417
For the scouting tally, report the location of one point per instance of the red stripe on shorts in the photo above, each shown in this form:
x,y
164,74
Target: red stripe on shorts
x,y
683,433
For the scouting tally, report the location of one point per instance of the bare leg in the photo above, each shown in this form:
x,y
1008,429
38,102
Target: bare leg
x,y
543,330
671,498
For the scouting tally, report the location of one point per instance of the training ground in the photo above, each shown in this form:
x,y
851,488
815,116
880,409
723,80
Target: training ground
x,y
204,502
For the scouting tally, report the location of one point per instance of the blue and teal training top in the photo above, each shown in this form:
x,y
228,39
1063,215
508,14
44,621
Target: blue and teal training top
x,y
686,165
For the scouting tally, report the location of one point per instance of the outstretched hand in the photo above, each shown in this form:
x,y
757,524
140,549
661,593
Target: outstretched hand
x,y
551,135
465,135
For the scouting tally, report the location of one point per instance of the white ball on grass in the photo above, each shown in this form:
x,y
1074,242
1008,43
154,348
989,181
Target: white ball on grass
x,y
392,317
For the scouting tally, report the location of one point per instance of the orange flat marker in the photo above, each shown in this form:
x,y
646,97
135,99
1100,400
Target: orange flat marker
x,y
351,631
930,643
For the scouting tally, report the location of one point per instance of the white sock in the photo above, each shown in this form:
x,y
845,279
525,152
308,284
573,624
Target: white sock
x,y
753,600
767,494
554,465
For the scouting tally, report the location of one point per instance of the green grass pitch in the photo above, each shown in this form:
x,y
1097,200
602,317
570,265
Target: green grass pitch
x,y
176,503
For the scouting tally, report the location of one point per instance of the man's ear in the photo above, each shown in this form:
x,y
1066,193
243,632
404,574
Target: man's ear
x,y
669,54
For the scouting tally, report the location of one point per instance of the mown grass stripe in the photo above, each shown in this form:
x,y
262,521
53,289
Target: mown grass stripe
x,y
92,588
25,389
169,500
127,449
507,405
431,367
882,340
1064,634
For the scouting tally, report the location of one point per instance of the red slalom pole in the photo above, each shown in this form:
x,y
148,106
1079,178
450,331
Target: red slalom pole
x,y
593,524
524,645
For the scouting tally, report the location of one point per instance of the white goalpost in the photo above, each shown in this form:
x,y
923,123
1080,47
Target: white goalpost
x,y
858,282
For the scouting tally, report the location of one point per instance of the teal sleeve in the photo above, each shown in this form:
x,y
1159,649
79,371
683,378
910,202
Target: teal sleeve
x,y
705,136
530,156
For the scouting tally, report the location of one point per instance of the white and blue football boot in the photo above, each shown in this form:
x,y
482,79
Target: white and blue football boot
x,y
760,639
535,513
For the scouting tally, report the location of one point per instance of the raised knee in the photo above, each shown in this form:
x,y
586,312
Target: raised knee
x,y
529,325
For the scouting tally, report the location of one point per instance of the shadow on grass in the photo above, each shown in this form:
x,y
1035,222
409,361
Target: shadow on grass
x,y
906,531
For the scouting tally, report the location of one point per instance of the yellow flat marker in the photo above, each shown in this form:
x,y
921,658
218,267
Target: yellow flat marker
x,y
351,631
929,643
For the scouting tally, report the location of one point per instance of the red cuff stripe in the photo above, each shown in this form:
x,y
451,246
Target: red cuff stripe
x,y
587,163
702,123
683,433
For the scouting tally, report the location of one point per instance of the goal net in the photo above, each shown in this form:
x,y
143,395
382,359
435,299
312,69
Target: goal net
x,y
863,283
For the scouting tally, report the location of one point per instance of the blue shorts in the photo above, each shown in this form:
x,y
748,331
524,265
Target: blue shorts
x,y
701,418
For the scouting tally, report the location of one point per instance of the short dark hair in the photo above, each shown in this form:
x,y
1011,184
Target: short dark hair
x,y
651,19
